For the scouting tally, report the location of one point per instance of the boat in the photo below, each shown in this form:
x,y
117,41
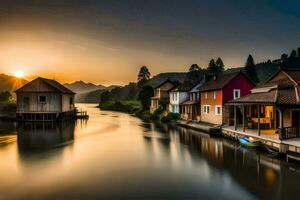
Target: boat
x,y
249,142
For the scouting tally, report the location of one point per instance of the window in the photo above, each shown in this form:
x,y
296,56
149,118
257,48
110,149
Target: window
x,y
71,101
218,110
215,94
236,93
206,95
42,99
206,109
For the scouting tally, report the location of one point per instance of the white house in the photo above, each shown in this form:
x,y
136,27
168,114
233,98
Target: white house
x,y
177,97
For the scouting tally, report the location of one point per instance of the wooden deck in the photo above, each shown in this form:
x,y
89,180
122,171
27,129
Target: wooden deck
x,y
268,137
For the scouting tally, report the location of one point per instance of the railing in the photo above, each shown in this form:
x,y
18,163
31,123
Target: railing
x,y
290,132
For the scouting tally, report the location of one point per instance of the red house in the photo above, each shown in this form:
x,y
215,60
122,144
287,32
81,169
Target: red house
x,y
219,90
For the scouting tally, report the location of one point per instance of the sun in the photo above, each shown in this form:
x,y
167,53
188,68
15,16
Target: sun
x,y
19,74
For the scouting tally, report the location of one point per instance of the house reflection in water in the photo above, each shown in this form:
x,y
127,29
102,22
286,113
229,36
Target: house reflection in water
x,y
258,173
45,135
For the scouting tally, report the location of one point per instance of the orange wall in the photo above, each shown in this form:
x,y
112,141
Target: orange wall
x,y
210,98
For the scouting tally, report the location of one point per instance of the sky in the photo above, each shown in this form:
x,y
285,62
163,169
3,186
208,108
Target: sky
x,y
107,41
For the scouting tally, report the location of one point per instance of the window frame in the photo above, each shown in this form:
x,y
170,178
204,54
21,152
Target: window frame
x,y
42,102
239,92
216,110
206,109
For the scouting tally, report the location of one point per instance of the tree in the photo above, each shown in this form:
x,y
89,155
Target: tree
x,y
144,74
284,56
104,97
220,64
250,62
211,64
298,50
214,68
5,96
145,95
194,67
250,69
293,54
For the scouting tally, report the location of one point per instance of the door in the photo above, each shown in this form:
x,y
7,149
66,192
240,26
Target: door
x,y
26,104
296,118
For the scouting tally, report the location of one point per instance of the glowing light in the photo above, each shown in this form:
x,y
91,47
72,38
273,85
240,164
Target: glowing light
x,y
19,74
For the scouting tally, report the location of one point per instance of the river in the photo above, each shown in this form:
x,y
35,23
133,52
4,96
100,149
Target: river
x,y
114,155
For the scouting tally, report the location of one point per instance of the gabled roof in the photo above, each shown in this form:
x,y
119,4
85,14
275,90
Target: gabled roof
x,y
192,80
52,83
281,91
219,81
166,81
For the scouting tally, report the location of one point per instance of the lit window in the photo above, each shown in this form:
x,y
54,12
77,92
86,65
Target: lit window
x,y
236,93
42,99
206,95
218,110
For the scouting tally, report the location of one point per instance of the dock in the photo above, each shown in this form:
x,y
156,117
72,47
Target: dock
x,y
289,147
204,127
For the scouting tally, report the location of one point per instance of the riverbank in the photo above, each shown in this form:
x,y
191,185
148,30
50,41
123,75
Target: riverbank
x,y
121,106
8,110
200,126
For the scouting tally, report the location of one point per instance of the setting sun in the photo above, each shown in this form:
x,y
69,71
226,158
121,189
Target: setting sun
x,y
19,74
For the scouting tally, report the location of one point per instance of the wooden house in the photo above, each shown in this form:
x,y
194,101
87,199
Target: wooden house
x,y
161,95
271,110
44,100
190,109
219,90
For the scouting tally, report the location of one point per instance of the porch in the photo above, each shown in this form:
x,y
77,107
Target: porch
x,y
265,120
190,110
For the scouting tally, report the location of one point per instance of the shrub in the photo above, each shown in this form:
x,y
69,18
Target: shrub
x,y
171,117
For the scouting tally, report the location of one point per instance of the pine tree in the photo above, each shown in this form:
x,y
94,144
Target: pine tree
x,y
298,50
220,64
284,56
293,54
250,62
194,67
211,65
250,69
144,74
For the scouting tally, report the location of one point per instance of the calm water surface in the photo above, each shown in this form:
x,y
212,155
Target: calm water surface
x,y
115,155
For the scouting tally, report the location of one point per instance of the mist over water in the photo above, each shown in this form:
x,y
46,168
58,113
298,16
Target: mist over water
x,y
115,155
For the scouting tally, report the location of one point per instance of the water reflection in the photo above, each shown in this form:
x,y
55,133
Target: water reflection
x,y
264,176
111,157
37,136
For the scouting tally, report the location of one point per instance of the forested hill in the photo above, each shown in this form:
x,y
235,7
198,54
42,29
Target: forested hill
x,y
10,83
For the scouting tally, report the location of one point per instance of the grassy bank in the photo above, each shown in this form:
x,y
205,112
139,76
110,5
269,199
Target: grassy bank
x,y
121,106
8,109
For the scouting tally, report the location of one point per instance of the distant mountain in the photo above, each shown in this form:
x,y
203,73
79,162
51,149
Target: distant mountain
x,y
81,87
10,83
89,97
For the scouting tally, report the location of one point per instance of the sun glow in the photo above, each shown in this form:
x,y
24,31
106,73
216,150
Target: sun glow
x,y
19,74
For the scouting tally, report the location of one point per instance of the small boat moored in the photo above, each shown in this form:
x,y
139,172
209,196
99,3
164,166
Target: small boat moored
x,y
249,142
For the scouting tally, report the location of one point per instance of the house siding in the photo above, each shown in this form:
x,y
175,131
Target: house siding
x,y
239,82
211,117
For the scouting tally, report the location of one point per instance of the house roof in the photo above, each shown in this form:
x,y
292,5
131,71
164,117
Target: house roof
x,y
54,84
281,92
191,102
219,81
166,81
